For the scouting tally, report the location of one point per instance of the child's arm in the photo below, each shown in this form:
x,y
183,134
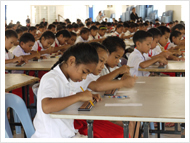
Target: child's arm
x,y
50,105
16,59
97,40
113,74
165,54
31,56
99,86
62,48
126,37
147,63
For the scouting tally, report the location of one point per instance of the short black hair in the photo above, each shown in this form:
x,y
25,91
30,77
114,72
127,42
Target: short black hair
x,y
174,34
83,52
47,35
65,33
178,26
81,25
155,32
51,26
41,26
109,24
97,23
59,27
97,46
145,24
157,24
24,28
84,31
37,25
75,25
9,26
73,34
69,26
10,33
113,42
93,28
26,37
140,36
118,26
132,25
18,30
171,23
141,25
104,23
125,24
32,28
88,23
164,29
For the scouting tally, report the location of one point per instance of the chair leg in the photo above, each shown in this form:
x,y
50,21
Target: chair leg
x,y
16,120
152,127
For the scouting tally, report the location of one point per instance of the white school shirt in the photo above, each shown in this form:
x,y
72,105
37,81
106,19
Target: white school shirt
x,y
8,55
171,45
75,86
116,34
55,43
127,33
106,71
135,58
98,36
152,52
91,38
18,51
35,47
37,32
79,39
53,84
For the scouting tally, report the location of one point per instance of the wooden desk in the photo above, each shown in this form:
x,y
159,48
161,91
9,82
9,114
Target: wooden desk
x,y
42,65
14,81
162,98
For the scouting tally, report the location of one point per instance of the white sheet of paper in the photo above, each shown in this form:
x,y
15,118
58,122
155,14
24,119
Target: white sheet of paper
x,y
122,104
140,82
119,92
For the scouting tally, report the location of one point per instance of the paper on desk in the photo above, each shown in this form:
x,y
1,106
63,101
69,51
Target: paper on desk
x,y
132,91
140,82
122,104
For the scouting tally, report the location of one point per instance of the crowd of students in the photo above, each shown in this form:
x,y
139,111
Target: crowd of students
x,y
90,54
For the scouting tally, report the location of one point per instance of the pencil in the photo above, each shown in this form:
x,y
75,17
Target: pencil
x,y
83,91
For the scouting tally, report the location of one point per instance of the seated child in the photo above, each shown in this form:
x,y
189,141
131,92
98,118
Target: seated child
x,y
10,38
101,32
51,28
70,28
84,35
72,39
40,31
118,32
129,32
43,45
141,26
32,30
24,29
59,28
54,91
19,33
93,33
142,41
76,29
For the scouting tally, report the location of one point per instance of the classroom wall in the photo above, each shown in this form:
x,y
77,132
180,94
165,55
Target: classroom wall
x,y
176,11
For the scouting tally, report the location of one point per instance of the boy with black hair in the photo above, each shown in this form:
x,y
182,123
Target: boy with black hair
x,y
32,30
81,26
93,32
170,25
145,26
157,25
72,39
37,26
59,28
9,27
40,31
84,35
19,33
10,38
118,31
142,41
14,26
180,28
88,24
101,32
70,28
76,29
130,31
125,27
25,46
97,24
24,29
141,26
51,28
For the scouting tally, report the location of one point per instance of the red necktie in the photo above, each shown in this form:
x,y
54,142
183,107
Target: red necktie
x,y
39,48
150,54
166,46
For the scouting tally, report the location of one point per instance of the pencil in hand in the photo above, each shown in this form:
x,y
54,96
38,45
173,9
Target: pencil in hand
x,y
83,91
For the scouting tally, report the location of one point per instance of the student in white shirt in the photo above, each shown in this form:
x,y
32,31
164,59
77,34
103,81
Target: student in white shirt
x,y
118,31
180,28
24,48
54,92
76,29
72,39
143,41
93,33
40,31
84,35
43,45
101,32
130,31
10,38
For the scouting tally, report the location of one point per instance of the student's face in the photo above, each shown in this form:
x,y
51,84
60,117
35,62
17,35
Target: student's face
x,y
145,46
176,40
62,40
142,28
102,32
125,29
93,32
132,30
52,30
103,56
164,39
69,29
114,57
33,32
46,43
155,42
85,36
9,42
79,72
120,30
182,31
27,47
72,40
76,29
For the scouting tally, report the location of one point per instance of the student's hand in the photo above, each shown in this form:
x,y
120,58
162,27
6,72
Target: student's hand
x,y
162,60
43,57
85,96
126,75
166,54
37,55
97,97
25,60
129,82
182,59
50,50
18,59
124,69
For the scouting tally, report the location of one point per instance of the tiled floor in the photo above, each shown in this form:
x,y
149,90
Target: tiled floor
x,y
150,136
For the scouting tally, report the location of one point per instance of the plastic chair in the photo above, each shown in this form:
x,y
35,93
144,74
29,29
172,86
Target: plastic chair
x,y
17,104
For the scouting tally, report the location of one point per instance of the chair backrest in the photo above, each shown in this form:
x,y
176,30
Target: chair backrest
x,y
17,104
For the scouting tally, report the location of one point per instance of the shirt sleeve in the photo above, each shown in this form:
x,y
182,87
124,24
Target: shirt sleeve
x,y
35,47
17,52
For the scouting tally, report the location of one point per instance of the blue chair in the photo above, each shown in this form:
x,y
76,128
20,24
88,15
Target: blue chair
x,y
17,104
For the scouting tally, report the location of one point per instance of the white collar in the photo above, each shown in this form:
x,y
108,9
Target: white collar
x,y
61,74
57,41
40,44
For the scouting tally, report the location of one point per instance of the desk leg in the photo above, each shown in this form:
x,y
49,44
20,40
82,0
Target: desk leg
x,y
177,74
36,73
90,128
27,72
146,131
126,129
23,94
183,74
183,130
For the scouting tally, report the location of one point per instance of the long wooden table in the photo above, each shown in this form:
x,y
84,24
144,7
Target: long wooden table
x,y
173,66
162,99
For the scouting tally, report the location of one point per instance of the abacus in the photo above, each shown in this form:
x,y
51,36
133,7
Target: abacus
x,y
87,106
